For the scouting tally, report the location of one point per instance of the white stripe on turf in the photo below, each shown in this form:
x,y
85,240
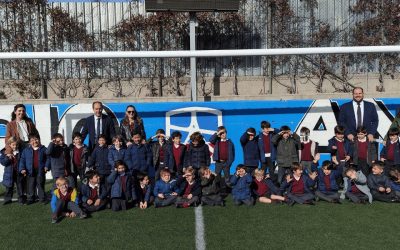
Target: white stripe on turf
x,y
200,240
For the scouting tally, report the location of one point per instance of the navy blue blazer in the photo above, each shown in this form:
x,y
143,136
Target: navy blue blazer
x,y
347,118
107,129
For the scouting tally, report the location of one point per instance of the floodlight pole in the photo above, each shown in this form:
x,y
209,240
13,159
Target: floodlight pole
x,y
193,69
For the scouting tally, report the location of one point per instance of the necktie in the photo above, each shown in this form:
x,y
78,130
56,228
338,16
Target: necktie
x,y
98,129
359,121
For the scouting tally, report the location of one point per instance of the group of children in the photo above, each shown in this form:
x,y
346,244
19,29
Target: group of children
x,y
117,175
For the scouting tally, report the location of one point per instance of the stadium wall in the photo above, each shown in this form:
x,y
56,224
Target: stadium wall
x,y
320,116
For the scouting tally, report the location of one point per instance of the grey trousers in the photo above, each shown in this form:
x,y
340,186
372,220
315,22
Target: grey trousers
x,y
180,200
301,198
248,202
165,202
211,200
36,183
356,197
327,196
62,206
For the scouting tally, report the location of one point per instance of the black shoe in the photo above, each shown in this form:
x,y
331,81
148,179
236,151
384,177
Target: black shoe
x,y
291,203
337,201
178,205
29,203
309,202
7,202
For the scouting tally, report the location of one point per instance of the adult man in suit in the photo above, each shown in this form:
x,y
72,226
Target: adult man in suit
x,y
358,113
97,124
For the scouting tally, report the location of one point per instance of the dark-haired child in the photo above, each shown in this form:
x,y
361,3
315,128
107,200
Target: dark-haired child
x,y
122,188
224,152
117,151
94,194
210,183
364,152
60,159
251,156
197,154
11,175
267,149
99,160
65,201
161,152
79,156
298,186
165,190
178,152
33,164
189,189
241,182
287,145
390,153
327,186
144,191
380,184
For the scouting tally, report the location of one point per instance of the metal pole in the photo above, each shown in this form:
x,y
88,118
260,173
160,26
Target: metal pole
x,y
270,69
193,70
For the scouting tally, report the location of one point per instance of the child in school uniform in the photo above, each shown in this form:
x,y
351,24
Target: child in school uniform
x,y
178,152
33,165
60,159
328,188
340,148
122,189
287,144
144,191
161,152
264,189
224,153
355,187
138,156
267,149
65,201
299,186
380,184
94,194
165,190
390,153
241,182
364,152
99,160
117,151
197,154
79,157
210,184
189,189
11,176
251,155
308,153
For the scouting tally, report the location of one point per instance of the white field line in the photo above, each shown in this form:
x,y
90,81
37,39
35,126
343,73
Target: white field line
x,y
200,237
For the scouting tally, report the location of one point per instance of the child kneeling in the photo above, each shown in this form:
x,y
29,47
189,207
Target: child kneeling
x,y
241,182
64,201
264,188
94,194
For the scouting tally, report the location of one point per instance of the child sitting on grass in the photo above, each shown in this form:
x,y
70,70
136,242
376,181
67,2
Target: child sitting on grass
x,y
241,182
144,191
264,188
165,190
94,194
380,184
355,187
327,186
189,189
64,201
210,184
298,186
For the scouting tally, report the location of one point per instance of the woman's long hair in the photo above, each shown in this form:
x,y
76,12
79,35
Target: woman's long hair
x,y
14,116
137,119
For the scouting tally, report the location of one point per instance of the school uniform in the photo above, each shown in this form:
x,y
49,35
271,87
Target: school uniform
x,y
99,162
34,163
299,191
12,177
357,190
391,153
251,155
115,154
122,190
79,159
267,151
375,181
328,188
307,152
93,192
264,188
165,188
144,194
65,203
185,189
162,157
241,191
197,156
138,157
210,192
178,153
224,155
60,162
363,154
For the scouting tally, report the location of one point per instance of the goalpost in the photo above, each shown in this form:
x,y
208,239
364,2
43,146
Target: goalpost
x,y
198,53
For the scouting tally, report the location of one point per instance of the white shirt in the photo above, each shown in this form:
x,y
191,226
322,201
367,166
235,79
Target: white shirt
x,y
95,124
355,106
22,130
